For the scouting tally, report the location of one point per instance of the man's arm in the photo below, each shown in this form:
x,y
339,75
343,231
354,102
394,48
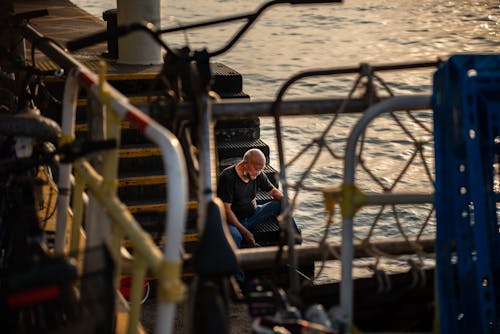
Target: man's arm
x,y
276,194
233,220
264,184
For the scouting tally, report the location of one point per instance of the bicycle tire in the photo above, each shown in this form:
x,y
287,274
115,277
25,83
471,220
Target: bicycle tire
x,y
30,125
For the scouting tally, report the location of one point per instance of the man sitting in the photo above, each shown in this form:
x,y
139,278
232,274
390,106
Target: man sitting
x,y
237,188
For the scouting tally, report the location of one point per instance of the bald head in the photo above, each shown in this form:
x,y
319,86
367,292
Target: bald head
x,y
253,163
254,155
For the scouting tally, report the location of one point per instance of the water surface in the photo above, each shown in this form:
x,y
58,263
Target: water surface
x,y
289,39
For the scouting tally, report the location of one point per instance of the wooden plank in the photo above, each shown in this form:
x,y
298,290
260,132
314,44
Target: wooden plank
x,y
139,152
142,180
157,207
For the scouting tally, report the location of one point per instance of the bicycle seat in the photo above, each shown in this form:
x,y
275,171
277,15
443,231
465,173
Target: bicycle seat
x,y
215,255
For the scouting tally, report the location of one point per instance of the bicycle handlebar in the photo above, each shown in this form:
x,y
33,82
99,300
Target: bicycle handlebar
x,y
26,16
119,31
123,30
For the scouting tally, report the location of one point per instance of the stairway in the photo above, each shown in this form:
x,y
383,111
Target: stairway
x,y
141,184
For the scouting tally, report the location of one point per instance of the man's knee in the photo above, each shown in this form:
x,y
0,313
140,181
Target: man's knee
x,y
276,206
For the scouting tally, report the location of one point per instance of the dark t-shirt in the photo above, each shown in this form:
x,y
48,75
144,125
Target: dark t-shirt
x,y
232,189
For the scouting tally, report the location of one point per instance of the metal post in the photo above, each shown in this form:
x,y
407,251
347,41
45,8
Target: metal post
x,y
138,48
68,134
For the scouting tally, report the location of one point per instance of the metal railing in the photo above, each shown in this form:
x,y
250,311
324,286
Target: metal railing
x,y
167,266
350,200
147,255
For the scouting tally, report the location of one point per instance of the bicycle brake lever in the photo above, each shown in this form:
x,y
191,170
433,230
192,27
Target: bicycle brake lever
x,y
82,42
74,150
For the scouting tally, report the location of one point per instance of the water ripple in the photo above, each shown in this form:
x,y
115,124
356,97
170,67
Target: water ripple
x,y
290,39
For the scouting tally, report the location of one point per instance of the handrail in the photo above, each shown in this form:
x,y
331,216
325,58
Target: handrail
x,y
220,110
168,267
416,102
64,183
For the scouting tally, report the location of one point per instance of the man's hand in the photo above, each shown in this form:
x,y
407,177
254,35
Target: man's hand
x,y
248,236
276,194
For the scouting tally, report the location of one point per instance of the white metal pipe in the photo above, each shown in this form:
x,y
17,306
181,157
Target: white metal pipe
x,y
207,161
415,102
177,198
94,216
138,48
175,166
70,97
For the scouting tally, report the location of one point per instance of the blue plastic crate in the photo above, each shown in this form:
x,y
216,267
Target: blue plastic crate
x,y
466,103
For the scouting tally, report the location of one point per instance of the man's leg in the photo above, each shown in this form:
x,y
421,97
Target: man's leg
x,y
262,213
237,237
